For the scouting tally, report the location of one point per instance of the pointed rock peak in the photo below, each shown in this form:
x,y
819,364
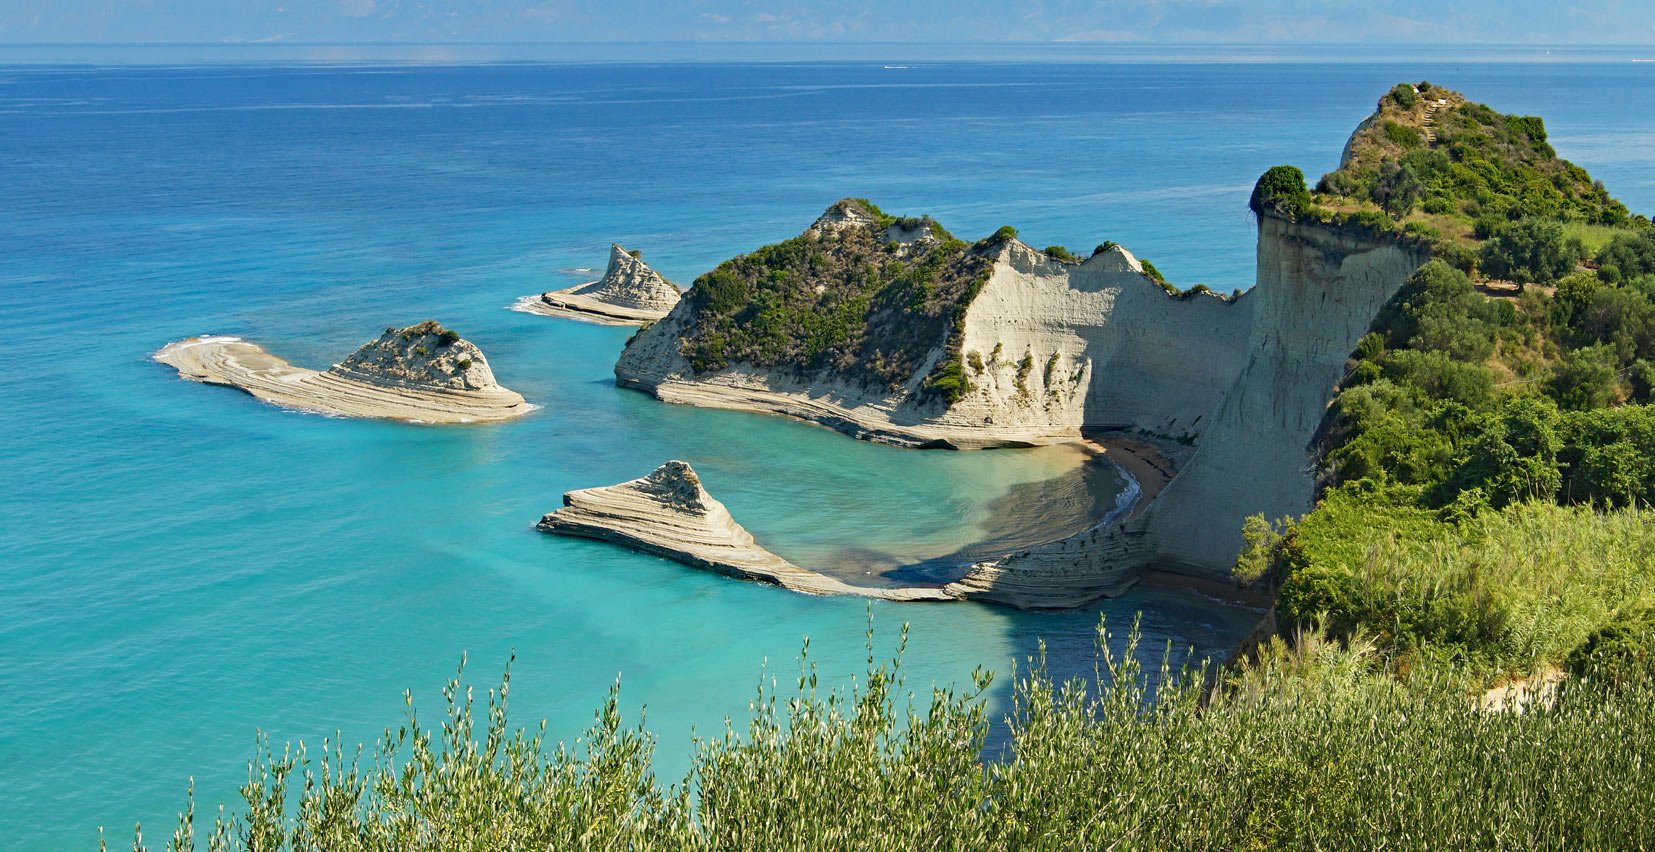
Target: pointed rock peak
x,y
424,354
620,258
1113,257
628,282
676,485
844,213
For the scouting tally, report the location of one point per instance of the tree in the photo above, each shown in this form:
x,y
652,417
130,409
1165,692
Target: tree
x,y
1530,250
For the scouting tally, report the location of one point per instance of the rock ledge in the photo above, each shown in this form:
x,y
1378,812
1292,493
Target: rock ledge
x,y
423,373
669,514
629,293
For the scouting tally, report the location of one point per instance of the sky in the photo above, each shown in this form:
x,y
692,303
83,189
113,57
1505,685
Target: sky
x,y
1529,22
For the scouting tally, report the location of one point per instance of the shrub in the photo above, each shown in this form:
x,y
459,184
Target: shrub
x,y
1403,135
1627,256
1619,654
1025,366
1151,272
1061,253
1003,234
1307,747
1281,189
1404,95
1531,250
951,381
1585,379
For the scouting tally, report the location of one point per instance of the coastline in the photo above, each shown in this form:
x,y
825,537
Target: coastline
x,y
668,513
247,367
857,414
569,305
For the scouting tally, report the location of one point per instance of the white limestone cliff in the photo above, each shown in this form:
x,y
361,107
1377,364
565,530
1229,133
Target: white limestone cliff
x,y
423,373
669,513
1050,348
629,293
1319,290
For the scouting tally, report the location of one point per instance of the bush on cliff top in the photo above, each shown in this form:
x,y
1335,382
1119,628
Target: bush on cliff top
x,y
1281,189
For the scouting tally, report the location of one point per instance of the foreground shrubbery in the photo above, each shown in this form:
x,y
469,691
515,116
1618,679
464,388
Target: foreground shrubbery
x,y
1498,592
1313,748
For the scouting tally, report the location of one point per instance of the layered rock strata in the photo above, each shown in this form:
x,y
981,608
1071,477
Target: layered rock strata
x,y
629,293
1319,290
669,513
423,373
1049,349
1052,350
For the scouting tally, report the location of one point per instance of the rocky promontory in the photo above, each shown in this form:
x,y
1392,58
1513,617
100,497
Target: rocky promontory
x,y
891,329
629,293
423,373
669,513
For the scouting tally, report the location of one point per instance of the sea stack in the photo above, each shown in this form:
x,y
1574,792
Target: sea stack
x,y
669,513
423,373
629,293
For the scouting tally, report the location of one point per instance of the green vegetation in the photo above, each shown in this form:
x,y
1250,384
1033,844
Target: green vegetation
x,y
1061,253
1310,747
1281,189
1025,366
1488,468
1494,591
1529,250
1002,234
1449,173
843,299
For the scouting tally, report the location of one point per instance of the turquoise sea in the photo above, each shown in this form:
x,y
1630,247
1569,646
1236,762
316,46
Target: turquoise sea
x,y
181,566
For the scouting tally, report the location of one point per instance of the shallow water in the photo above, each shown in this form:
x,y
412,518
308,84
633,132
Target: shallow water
x,y
181,565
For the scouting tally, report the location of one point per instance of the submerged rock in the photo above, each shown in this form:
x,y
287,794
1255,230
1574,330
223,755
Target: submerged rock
x,y
629,293
669,513
423,373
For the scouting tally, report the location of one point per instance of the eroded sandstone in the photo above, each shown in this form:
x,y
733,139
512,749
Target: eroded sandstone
x,y
423,373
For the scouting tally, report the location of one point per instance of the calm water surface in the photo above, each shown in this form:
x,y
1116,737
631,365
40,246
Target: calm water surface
x,y
181,566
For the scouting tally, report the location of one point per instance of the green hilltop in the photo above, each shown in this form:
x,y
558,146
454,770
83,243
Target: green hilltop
x,y
846,297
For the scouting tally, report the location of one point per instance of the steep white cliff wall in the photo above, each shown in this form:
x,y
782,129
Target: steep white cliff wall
x,y
1066,348
1050,348
1318,292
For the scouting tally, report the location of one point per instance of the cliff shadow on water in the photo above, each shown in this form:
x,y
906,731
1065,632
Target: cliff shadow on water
x,y
1084,490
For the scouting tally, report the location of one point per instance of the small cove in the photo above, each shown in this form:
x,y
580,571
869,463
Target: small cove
x,y
184,566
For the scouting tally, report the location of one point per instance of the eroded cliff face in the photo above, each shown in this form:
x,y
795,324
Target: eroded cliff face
x,y
1319,290
1054,349
422,355
1047,349
628,282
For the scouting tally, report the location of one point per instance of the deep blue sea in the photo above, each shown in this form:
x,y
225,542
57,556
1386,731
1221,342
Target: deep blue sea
x,y
182,566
